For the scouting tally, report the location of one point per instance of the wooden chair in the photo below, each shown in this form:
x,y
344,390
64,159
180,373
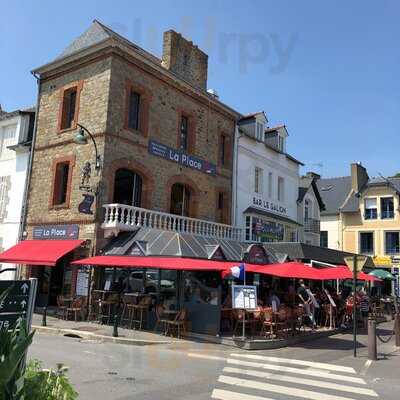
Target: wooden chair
x,y
159,318
141,310
61,307
330,315
274,323
178,324
75,308
249,321
106,306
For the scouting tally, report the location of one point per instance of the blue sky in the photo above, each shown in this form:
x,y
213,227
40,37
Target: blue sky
x,y
329,70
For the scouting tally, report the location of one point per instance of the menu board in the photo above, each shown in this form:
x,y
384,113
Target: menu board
x,y
244,297
82,281
313,299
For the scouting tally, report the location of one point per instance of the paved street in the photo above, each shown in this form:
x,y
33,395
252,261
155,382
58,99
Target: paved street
x,y
321,370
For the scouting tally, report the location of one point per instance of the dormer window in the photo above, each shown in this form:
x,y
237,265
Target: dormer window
x,y
260,131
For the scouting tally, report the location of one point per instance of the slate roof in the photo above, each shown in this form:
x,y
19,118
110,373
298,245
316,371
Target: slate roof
x,y
156,242
334,192
7,115
304,185
306,252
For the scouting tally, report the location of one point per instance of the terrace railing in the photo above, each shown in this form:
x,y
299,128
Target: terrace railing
x,y
120,217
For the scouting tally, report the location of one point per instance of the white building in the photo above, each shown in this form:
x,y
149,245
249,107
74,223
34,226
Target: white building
x,y
266,182
16,130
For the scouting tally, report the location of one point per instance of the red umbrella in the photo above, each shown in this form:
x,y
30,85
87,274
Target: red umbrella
x,y
287,270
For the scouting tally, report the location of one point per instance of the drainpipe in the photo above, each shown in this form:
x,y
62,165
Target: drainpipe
x,y
235,174
24,210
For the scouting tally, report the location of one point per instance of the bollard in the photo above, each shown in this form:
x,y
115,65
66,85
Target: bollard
x,y
372,349
44,320
397,329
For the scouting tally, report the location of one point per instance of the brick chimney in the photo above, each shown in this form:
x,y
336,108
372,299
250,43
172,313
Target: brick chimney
x,y
359,177
185,59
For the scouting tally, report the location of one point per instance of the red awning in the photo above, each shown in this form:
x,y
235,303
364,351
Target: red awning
x,y
342,272
178,263
39,252
288,270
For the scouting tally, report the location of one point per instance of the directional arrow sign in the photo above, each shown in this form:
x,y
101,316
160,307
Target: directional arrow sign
x,y
14,303
8,320
18,287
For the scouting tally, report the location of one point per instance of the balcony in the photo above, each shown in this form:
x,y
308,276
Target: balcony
x,y
122,218
312,225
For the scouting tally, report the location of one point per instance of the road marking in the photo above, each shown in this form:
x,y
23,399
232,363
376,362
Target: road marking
x,y
365,367
228,395
275,367
317,365
302,381
282,390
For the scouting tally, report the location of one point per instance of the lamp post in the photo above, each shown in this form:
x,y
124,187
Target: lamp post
x,y
81,138
355,264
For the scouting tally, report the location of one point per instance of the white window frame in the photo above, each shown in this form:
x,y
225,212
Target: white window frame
x,y
370,208
258,180
259,131
281,189
270,185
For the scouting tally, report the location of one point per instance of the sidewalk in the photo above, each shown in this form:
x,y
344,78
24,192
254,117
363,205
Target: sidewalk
x,y
103,333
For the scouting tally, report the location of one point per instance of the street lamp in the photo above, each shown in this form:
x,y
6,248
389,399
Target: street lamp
x,y
81,138
355,264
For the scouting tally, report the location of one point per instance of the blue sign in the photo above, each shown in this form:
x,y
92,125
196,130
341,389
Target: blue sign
x,y
53,232
180,157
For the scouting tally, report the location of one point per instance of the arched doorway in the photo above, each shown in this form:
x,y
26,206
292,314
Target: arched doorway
x,y
180,200
127,188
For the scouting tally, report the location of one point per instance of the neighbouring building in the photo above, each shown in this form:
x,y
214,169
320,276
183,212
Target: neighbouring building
x,y
367,218
165,150
266,182
310,206
16,130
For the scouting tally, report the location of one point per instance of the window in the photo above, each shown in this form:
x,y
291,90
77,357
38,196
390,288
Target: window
x,y
281,189
324,239
307,209
392,243
127,188
248,227
270,185
220,200
258,172
259,131
184,133
7,138
5,185
281,143
387,208
69,107
180,200
133,110
223,150
371,210
367,243
61,183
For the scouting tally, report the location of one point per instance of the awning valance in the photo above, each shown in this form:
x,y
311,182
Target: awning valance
x,y
177,263
39,252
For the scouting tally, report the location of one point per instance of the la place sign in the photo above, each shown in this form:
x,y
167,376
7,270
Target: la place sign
x,y
269,206
180,157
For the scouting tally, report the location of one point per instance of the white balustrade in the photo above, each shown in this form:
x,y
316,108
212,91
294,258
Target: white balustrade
x,y
120,217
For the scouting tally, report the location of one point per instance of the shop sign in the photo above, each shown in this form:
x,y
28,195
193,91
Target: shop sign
x,y
395,260
269,229
180,157
244,297
269,206
54,232
382,261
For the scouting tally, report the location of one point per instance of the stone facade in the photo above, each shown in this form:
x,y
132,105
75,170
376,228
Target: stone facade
x,y
102,84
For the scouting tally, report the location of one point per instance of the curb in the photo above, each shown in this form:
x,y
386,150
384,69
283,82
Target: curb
x,y
103,338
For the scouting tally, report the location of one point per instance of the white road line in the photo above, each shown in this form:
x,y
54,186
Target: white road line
x,y
365,367
275,367
318,365
302,381
282,390
228,395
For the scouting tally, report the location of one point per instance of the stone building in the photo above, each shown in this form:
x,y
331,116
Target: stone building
x,y
164,144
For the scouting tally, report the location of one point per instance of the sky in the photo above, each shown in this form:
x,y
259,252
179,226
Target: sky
x,y
328,70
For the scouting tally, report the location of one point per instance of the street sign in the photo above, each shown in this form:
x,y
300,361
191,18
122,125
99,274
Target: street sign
x,y
13,303
17,287
360,262
8,320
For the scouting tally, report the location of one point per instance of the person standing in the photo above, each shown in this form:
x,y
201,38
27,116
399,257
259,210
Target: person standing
x,y
306,301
